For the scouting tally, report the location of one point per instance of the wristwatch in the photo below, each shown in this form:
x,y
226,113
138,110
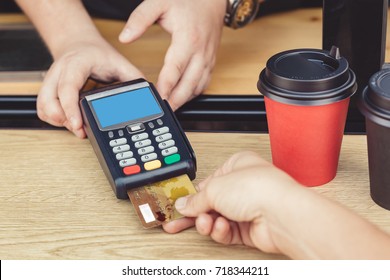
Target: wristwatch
x,y
241,12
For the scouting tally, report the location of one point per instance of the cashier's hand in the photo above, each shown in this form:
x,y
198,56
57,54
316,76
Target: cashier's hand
x,y
196,28
90,56
232,204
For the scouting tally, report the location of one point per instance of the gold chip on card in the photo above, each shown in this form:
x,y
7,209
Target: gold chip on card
x,y
155,203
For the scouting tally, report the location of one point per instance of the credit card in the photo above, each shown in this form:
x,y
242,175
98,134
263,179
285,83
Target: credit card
x,y
155,203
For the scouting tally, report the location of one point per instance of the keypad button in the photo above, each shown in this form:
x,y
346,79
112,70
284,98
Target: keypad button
x,y
172,159
169,151
166,144
120,133
151,125
160,130
152,165
127,162
139,137
149,157
118,142
143,143
160,122
124,155
134,169
136,128
121,149
111,134
146,150
163,137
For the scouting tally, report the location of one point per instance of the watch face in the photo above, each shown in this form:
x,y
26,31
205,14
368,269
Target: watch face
x,y
245,12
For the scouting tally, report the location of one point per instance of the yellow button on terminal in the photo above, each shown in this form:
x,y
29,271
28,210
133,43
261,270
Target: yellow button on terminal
x,y
152,165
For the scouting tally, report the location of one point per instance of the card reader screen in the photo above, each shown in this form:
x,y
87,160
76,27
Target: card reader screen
x,y
125,107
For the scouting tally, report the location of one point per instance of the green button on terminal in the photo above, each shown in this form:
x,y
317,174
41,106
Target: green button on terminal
x,y
172,159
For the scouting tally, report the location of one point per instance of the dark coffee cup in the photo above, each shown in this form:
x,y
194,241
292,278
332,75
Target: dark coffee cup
x,y
374,103
306,94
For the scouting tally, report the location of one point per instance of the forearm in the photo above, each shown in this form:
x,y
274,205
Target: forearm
x,y
310,226
60,22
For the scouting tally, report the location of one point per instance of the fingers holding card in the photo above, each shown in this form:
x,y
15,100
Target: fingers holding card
x,y
154,203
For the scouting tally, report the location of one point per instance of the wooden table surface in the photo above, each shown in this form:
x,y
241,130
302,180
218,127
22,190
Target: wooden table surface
x,y
55,202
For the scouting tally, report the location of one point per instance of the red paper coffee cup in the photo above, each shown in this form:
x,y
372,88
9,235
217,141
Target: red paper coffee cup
x,y
307,94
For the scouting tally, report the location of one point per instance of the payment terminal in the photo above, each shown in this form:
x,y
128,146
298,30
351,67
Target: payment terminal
x,y
135,135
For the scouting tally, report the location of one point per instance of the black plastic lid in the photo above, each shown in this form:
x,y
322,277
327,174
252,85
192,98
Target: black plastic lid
x,y
307,77
374,101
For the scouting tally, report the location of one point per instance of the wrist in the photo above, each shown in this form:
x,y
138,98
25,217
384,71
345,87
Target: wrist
x,y
72,40
280,206
60,22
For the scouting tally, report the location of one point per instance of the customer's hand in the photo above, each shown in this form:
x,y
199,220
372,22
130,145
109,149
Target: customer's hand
x,y
249,201
232,204
196,28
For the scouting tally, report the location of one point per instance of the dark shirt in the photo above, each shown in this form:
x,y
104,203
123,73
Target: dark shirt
x,y
113,9
121,9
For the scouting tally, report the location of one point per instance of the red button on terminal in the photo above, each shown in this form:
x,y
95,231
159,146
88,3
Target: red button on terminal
x,y
129,170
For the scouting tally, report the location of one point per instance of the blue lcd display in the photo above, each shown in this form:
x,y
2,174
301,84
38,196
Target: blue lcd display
x,y
125,107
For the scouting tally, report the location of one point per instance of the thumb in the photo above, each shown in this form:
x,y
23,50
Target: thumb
x,y
193,205
146,14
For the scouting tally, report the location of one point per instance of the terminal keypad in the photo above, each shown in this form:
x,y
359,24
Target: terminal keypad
x,y
143,146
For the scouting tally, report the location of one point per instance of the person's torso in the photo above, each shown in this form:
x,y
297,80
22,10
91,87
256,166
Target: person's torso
x,y
114,9
121,9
